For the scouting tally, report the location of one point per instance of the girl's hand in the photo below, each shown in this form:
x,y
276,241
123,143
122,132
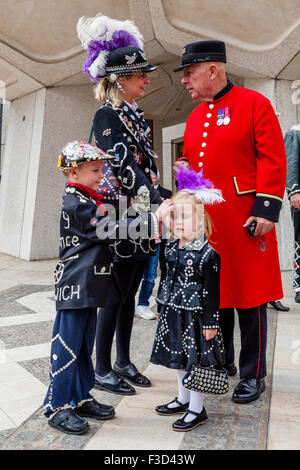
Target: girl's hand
x,y
209,334
164,210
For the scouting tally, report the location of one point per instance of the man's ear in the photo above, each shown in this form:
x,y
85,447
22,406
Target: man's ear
x,y
212,71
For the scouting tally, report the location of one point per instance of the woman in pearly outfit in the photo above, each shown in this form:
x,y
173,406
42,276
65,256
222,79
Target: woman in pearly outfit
x,y
117,61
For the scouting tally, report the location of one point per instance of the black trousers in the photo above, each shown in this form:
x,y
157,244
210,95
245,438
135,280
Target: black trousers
x,y
296,268
118,318
253,327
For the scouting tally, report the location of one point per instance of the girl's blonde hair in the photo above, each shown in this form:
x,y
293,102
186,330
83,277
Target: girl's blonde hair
x,y
108,89
185,197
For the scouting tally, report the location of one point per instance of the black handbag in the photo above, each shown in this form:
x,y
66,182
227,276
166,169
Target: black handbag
x,y
207,378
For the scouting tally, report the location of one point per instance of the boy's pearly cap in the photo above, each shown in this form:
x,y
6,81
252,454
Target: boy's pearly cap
x,y
77,152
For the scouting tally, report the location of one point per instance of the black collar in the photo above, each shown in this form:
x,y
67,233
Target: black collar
x,y
224,90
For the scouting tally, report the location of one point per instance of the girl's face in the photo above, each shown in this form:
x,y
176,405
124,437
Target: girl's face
x,y
134,86
188,223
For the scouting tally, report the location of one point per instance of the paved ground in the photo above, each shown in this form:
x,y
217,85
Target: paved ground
x,y
27,311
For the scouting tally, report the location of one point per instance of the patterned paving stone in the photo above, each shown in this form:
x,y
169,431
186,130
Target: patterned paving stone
x,y
230,426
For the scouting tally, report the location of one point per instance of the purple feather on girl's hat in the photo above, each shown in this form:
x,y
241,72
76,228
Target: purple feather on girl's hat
x,y
195,183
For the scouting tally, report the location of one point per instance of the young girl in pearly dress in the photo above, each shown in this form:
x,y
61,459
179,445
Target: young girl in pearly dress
x,y
189,295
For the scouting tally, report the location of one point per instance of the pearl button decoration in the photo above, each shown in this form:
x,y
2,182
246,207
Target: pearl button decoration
x,y
200,164
204,134
211,106
201,154
206,124
203,144
208,115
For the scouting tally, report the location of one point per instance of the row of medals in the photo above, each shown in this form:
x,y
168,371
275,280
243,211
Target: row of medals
x,y
223,120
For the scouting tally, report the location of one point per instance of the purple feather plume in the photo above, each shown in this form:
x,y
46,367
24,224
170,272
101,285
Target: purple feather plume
x,y
119,38
190,179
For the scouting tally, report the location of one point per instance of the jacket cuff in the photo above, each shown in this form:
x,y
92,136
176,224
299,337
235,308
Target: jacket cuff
x,y
267,206
293,190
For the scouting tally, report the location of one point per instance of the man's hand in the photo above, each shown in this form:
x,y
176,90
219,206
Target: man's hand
x,y
295,200
263,225
176,165
209,333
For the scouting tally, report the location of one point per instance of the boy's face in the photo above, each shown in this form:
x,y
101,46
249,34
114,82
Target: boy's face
x,y
88,174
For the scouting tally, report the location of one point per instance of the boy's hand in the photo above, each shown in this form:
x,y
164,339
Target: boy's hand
x,y
209,334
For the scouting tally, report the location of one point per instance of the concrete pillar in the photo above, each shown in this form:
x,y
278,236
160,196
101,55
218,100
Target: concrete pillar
x,y
170,134
39,125
279,93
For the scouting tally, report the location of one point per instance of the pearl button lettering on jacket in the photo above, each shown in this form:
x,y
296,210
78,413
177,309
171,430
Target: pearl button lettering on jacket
x,y
211,106
204,134
203,144
206,124
200,164
201,154
208,115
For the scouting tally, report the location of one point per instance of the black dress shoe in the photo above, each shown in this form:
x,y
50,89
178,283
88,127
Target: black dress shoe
x,y
278,306
96,410
297,297
112,383
230,368
248,390
69,422
166,411
181,425
133,376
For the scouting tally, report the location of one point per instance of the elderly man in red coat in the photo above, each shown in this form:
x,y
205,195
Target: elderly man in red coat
x,y
235,138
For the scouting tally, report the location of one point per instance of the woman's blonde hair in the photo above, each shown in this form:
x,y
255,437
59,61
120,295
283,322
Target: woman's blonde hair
x,y
184,197
108,89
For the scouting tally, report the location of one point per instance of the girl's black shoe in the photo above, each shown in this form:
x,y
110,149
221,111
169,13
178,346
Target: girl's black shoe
x,y
181,425
166,411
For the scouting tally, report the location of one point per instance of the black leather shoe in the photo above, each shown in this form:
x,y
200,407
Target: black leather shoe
x,y
278,306
96,410
131,374
181,425
248,390
69,422
112,383
297,297
230,368
166,411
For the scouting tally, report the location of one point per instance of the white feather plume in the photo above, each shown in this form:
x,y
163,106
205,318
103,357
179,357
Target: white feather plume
x,y
208,196
98,66
102,27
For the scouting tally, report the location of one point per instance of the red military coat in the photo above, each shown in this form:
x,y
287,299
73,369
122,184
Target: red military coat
x,y
246,160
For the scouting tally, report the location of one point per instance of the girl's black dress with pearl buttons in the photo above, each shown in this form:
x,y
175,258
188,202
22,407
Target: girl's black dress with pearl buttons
x,y
189,301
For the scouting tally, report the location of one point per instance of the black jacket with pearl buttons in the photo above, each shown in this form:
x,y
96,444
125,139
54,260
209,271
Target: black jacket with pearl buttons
x,y
122,132
84,276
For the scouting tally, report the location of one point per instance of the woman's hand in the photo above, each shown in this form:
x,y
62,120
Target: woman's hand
x,y
209,334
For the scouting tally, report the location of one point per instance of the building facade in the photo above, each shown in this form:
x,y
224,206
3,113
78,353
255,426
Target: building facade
x,y
48,101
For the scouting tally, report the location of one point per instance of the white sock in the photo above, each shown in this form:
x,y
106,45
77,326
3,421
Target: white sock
x,y
196,404
183,393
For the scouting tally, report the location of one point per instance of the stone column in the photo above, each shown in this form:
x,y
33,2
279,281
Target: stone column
x,y
39,125
280,93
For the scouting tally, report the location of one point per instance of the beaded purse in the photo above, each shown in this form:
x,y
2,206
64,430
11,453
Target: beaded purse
x,y
208,378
